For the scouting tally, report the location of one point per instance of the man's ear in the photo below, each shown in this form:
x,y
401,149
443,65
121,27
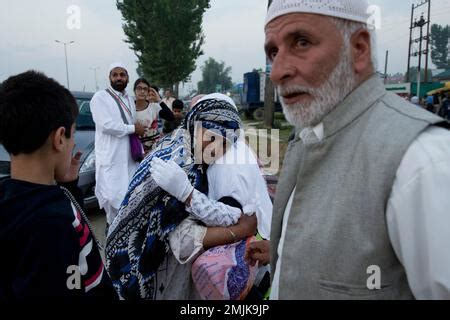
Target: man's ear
x,y
361,51
59,139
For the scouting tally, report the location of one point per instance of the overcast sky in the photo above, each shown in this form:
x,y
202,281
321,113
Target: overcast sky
x,y
233,30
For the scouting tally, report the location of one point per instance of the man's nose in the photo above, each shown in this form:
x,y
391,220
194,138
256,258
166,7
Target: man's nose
x,y
282,69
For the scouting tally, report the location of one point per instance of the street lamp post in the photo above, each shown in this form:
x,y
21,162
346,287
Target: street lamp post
x,y
269,93
65,53
95,76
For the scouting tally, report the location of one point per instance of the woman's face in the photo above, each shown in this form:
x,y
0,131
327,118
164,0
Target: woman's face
x,y
208,146
141,91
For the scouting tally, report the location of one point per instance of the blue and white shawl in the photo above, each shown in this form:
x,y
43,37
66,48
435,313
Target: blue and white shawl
x,y
138,242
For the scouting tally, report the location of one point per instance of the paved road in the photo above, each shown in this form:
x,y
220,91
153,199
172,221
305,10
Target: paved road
x,y
98,222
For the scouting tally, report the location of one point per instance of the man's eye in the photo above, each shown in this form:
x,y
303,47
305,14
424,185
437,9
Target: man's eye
x,y
302,43
272,54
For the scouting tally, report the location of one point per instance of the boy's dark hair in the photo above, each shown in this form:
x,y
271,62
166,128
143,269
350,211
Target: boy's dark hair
x,y
31,107
178,104
140,80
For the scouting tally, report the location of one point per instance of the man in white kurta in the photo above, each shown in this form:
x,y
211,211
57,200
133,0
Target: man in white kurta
x,y
113,163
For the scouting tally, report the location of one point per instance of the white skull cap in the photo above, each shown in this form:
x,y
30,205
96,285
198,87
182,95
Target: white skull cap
x,y
117,65
354,10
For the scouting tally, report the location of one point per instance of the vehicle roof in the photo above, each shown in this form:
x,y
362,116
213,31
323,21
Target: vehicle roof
x,y
82,94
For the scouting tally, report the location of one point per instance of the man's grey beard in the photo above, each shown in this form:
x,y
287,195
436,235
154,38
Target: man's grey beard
x,y
325,98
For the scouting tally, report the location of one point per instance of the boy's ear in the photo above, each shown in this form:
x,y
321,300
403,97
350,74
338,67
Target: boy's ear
x,y
58,139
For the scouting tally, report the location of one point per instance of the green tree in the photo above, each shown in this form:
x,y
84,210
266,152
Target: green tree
x,y
216,77
413,75
166,36
440,46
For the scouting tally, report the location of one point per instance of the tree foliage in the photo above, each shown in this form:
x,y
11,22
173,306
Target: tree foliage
x,y
413,73
166,36
440,46
216,77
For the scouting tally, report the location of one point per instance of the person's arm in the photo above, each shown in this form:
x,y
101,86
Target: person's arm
x,y
212,213
167,128
103,117
190,238
165,113
173,179
216,236
418,215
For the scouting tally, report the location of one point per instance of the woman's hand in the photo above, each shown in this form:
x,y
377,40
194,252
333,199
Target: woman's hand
x,y
258,251
154,96
170,177
139,129
246,227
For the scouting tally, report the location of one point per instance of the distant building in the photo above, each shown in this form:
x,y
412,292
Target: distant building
x,y
395,79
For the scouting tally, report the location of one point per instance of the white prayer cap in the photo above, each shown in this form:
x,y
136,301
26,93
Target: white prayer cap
x,y
218,96
354,10
415,100
117,65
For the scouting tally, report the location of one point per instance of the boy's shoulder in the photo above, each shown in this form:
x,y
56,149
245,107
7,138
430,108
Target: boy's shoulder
x,y
25,206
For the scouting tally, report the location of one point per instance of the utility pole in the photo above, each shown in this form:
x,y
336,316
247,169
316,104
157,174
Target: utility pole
x,y
410,44
427,50
65,53
386,67
269,94
419,25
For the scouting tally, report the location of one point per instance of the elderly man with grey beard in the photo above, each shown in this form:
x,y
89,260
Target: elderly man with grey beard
x,y
362,205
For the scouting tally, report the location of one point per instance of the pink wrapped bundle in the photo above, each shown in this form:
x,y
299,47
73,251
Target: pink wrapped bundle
x,y
221,273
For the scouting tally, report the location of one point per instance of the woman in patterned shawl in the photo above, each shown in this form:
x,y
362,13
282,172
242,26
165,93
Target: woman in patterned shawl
x,y
138,255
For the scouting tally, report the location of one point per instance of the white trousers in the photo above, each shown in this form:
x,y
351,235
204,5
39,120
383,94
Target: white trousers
x,y
111,213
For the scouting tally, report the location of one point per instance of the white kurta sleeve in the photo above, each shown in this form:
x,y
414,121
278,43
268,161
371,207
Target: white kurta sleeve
x,y
211,212
186,241
237,175
106,121
418,215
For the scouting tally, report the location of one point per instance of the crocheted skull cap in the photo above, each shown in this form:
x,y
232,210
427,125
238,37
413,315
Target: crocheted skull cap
x,y
354,10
